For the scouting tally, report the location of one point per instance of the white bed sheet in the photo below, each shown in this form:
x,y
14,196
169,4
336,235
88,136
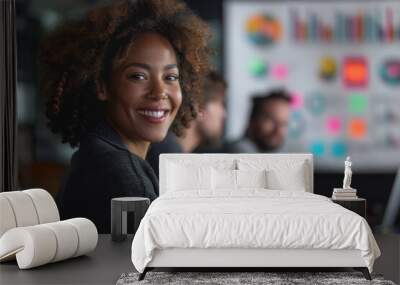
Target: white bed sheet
x,y
252,218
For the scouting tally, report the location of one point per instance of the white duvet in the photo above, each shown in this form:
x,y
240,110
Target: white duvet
x,y
252,218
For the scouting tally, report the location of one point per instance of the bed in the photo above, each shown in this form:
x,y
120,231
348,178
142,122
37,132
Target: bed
x,y
247,210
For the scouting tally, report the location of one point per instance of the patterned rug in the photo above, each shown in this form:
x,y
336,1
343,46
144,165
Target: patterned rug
x,y
273,278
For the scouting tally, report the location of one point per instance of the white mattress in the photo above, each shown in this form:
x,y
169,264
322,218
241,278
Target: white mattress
x,y
252,218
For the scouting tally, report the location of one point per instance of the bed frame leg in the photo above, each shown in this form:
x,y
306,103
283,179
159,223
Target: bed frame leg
x,y
364,271
143,274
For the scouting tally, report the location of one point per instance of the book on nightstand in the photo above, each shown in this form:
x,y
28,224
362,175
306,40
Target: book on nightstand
x,y
344,194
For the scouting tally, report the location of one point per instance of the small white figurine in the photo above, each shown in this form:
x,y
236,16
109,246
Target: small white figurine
x,y
347,173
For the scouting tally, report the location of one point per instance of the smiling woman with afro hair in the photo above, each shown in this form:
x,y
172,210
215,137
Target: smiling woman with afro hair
x,y
116,81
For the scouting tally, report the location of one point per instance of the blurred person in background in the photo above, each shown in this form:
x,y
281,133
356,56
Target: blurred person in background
x,y
206,131
117,81
268,124
204,134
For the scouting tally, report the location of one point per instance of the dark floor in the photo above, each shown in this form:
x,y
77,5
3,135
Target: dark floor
x,y
389,262
106,264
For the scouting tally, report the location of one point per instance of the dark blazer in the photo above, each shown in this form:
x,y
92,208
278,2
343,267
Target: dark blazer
x,y
170,144
101,169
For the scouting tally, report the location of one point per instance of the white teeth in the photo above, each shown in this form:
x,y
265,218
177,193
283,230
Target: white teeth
x,y
154,114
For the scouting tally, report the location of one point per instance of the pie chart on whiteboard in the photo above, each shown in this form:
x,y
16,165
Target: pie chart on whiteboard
x,y
263,29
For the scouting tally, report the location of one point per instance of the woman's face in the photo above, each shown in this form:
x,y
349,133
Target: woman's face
x,y
144,94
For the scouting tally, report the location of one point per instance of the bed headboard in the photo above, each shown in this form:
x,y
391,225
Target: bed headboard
x,y
233,160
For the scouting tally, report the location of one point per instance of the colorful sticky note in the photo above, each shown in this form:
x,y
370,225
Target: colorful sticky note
x,y
297,101
297,125
280,71
327,68
390,72
339,149
357,103
355,72
334,125
357,128
316,103
317,148
257,67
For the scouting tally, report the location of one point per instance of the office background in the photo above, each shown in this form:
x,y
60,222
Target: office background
x,y
344,102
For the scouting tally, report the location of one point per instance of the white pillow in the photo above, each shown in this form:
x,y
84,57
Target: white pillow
x,y
223,179
251,178
279,180
281,174
182,177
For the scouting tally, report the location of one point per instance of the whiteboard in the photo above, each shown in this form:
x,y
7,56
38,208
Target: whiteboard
x,y
334,57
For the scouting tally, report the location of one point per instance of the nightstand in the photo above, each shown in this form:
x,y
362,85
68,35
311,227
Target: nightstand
x,y
357,205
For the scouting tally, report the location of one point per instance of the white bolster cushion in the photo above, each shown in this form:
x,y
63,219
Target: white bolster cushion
x,y
26,208
87,235
40,244
33,246
23,208
45,205
66,237
7,219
